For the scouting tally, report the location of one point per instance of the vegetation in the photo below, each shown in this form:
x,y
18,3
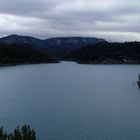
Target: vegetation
x,y
99,53
24,133
107,53
12,54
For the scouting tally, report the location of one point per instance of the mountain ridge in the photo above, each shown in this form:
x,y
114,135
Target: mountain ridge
x,y
24,49
52,44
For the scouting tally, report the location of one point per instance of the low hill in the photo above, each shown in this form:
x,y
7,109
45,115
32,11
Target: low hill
x,y
13,54
107,53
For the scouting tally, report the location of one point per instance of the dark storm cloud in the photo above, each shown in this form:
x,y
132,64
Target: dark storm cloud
x,y
115,20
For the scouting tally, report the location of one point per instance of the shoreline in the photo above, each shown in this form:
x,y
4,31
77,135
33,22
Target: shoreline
x,y
78,62
18,64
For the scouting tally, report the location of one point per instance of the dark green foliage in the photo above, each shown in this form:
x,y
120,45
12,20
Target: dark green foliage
x,y
122,53
25,133
99,53
12,54
3,135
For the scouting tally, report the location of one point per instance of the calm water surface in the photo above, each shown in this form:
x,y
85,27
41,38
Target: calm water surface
x,y
69,101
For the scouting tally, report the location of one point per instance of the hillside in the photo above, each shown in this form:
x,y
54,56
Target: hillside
x,y
107,53
67,43
13,54
23,49
52,44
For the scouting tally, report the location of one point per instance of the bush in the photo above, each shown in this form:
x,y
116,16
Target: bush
x,y
23,133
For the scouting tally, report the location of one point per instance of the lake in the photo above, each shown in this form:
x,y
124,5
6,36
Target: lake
x,y
69,101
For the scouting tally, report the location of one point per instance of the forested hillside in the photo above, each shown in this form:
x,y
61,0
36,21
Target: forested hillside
x,y
13,54
107,53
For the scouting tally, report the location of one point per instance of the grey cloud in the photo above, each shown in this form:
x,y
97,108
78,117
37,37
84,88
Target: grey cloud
x,y
111,19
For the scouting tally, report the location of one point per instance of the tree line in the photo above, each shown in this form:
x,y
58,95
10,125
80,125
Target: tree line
x,y
12,54
23,133
128,52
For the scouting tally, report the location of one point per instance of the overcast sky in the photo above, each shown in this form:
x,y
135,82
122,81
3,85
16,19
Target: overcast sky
x,y
114,20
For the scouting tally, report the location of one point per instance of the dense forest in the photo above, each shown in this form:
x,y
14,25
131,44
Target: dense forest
x,y
13,54
23,133
13,51
107,53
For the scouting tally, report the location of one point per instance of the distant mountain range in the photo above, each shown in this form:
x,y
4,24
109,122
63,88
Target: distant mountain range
x,y
15,49
52,44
